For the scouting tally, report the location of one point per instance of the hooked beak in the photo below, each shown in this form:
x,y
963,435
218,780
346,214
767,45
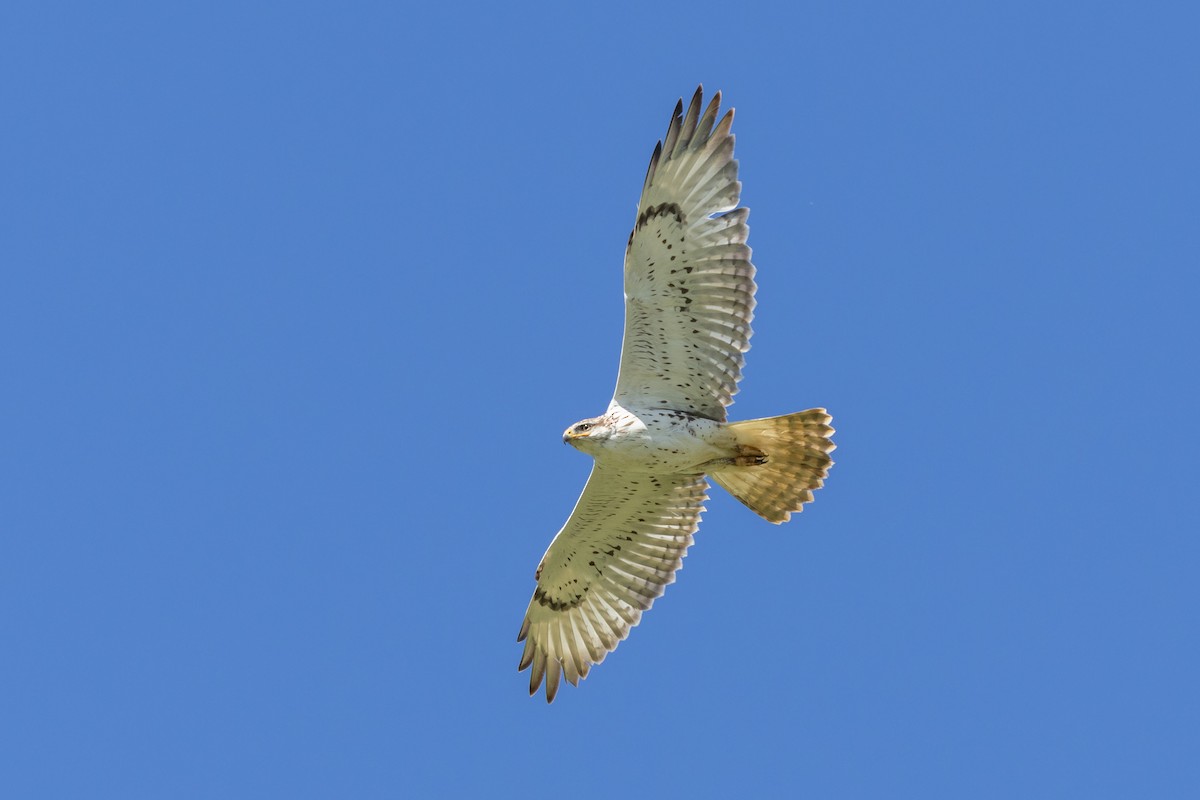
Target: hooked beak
x,y
570,435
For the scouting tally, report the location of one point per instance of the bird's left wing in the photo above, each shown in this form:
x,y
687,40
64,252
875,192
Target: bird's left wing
x,y
617,552
689,283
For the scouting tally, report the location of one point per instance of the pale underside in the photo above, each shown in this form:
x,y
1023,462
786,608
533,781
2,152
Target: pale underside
x,y
689,299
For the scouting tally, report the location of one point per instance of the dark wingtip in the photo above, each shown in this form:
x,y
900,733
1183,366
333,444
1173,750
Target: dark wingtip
x,y
654,159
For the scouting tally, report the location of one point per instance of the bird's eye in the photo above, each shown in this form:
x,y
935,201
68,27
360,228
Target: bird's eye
x,y
585,426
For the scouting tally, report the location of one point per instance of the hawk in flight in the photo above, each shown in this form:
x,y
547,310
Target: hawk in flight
x,y
689,299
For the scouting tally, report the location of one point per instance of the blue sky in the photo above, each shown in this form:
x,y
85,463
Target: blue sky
x,y
296,300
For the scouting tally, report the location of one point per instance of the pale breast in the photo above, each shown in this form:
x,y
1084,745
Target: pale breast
x,y
666,441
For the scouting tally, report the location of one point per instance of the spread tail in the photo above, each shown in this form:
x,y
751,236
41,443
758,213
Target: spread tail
x,y
782,460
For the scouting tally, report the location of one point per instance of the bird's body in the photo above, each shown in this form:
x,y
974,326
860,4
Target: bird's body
x,y
689,301
654,441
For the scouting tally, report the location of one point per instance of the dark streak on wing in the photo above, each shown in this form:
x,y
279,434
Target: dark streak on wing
x,y
540,596
660,210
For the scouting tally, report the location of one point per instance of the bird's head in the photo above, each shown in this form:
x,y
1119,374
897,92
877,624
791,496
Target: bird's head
x,y
588,433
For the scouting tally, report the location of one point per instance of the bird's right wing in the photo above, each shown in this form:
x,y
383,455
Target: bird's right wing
x,y
617,552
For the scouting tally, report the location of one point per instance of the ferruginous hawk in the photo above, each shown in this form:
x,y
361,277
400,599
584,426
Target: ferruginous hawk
x,y
689,299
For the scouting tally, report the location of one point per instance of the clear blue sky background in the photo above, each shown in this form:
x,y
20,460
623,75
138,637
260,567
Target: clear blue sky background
x,y
296,300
